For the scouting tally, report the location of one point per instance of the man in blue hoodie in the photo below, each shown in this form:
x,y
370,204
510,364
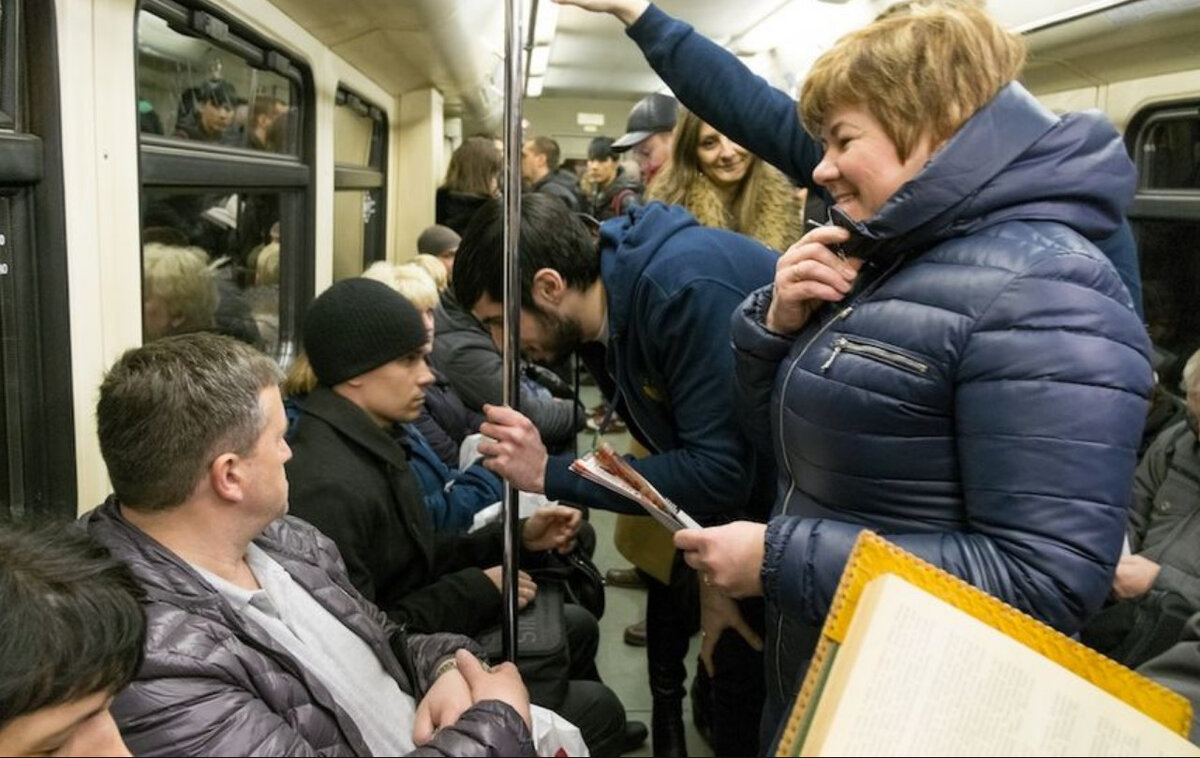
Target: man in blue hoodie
x,y
647,307
711,82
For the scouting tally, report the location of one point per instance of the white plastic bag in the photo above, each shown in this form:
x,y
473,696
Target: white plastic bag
x,y
554,736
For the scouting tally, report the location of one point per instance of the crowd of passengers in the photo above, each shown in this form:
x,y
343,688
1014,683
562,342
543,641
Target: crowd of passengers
x,y
309,563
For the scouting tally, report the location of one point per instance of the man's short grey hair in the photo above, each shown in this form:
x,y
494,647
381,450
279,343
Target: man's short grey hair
x,y
169,408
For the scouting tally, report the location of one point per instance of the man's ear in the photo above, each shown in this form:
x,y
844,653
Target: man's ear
x,y
225,477
548,287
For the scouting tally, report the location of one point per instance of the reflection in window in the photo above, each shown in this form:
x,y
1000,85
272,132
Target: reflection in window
x,y
1170,253
1170,152
211,262
189,88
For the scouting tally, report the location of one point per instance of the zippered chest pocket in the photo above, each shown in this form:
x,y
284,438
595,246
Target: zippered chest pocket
x,y
879,352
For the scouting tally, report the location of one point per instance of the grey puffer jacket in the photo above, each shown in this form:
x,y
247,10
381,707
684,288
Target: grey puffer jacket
x,y
212,684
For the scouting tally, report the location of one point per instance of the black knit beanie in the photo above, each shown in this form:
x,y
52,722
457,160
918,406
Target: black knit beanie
x,y
357,325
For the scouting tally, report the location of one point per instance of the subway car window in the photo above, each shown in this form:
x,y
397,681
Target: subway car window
x,y
1170,152
360,133
1166,219
189,88
212,262
35,348
226,234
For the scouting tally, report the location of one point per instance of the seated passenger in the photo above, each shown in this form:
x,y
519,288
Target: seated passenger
x,y
442,243
179,294
211,116
351,476
71,635
1157,587
257,642
1178,669
445,421
434,267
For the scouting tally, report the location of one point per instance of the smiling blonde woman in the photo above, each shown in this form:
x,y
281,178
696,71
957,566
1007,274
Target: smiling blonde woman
x,y
726,187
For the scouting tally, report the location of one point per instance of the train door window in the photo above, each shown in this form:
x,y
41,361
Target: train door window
x,y
360,139
35,346
226,175
1166,220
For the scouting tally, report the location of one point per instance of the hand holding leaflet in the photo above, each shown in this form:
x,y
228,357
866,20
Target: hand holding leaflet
x,y
604,467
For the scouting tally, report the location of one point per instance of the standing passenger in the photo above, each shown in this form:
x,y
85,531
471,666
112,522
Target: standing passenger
x,y
647,308
968,376
613,190
722,91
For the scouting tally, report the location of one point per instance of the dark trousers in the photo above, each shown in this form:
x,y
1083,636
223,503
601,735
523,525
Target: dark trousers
x,y
590,704
734,697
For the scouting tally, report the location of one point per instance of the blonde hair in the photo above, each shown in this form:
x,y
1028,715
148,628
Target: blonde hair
x,y
1190,383
417,286
412,281
266,265
300,379
922,68
434,267
181,278
763,206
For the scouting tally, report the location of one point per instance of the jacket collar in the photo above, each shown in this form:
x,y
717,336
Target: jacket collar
x,y
353,422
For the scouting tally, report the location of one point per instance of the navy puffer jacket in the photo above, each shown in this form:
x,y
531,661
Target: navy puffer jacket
x,y
978,398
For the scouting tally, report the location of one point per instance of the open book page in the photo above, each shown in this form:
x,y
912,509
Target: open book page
x,y
917,676
606,468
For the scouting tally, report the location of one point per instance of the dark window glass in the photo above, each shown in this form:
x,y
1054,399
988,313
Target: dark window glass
x,y
1169,151
212,260
10,461
1170,253
191,88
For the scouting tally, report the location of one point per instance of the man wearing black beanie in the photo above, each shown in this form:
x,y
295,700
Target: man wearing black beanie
x,y
349,476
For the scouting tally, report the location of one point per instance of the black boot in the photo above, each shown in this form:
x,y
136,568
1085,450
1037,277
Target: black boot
x,y
666,727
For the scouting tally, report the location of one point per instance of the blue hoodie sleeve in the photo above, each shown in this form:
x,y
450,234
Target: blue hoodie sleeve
x,y
710,470
718,88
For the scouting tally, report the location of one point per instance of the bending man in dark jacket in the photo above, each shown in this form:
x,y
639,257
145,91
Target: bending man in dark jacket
x,y
257,642
465,354
648,310
351,476
711,82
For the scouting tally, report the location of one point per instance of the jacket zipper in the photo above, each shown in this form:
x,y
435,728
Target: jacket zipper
x,y
881,354
842,315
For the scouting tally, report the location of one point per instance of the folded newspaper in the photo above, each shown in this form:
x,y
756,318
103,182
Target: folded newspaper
x,y
604,467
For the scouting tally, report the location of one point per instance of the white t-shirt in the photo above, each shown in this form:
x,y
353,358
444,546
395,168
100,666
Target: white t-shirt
x,y
330,650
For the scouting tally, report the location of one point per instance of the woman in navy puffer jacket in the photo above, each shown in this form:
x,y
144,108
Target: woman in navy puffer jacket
x,y
973,385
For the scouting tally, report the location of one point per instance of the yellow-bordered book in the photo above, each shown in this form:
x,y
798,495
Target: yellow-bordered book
x,y
914,661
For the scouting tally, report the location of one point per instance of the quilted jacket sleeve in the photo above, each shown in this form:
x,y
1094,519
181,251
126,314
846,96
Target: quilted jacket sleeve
x,y
1050,396
206,716
486,729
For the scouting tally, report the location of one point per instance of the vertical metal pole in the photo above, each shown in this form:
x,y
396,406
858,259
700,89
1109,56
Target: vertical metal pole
x,y
512,300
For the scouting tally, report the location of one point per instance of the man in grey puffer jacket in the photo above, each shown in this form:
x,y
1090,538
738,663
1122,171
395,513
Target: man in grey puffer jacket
x,y
257,643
